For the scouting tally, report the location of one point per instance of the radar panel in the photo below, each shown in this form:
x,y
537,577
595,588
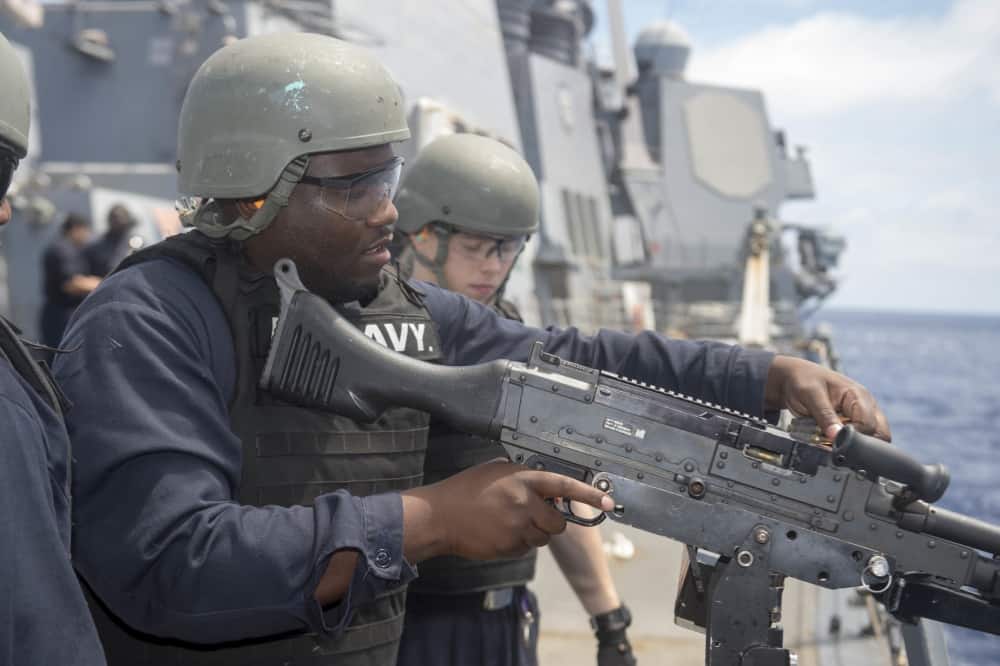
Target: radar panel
x,y
728,142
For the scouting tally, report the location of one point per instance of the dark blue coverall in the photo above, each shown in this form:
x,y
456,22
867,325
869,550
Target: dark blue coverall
x,y
60,262
43,616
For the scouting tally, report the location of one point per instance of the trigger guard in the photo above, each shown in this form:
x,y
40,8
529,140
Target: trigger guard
x,y
586,522
567,512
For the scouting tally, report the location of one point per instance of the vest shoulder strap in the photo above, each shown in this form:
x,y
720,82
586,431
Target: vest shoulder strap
x,y
193,249
35,372
412,294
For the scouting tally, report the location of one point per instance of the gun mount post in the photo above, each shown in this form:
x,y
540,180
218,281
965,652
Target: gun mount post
x,y
925,644
743,609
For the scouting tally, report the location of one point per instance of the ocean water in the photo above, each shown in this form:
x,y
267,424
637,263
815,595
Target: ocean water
x,y
937,378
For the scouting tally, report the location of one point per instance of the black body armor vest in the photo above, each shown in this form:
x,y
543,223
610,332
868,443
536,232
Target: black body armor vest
x,y
448,453
292,455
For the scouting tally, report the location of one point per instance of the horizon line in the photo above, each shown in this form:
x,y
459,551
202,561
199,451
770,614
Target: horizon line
x,y
869,309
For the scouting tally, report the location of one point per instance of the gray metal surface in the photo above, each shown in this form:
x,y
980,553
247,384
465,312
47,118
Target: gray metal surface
x,y
576,214
449,57
831,522
123,111
717,167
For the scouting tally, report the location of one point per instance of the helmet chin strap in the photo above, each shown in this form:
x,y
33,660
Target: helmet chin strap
x,y
209,219
435,265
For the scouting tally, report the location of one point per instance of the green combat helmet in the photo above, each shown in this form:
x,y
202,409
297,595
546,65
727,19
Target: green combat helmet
x,y
255,111
465,183
15,116
472,183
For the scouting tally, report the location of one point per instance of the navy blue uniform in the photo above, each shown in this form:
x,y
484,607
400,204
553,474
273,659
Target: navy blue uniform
x,y
158,533
454,629
105,253
43,616
61,261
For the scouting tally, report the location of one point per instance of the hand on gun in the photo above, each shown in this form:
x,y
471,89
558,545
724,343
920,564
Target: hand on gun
x,y
828,397
494,510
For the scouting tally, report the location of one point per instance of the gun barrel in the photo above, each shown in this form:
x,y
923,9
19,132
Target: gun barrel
x,y
965,530
862,452
986,578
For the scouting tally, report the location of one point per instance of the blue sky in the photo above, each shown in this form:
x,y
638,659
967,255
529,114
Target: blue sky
x,y
899,106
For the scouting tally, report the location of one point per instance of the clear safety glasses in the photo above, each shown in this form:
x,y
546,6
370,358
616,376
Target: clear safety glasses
x,y
475,247
8,163
359,196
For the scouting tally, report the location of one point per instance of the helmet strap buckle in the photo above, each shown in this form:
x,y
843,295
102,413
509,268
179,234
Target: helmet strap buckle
x,y
435,265
276,199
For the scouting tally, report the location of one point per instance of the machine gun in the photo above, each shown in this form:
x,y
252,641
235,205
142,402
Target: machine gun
x,y
754,503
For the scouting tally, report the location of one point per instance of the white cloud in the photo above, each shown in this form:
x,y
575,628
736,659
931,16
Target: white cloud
x,y
899,115
945,228
834,61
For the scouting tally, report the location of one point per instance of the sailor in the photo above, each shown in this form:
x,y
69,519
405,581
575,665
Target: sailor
x,y
43,615
67,277
107,251
219,525
467,206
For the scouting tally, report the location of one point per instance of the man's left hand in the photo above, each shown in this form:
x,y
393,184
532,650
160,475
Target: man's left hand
x,y
808,389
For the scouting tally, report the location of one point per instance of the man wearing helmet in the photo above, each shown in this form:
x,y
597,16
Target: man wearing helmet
x,y
43,616
467,206
239,529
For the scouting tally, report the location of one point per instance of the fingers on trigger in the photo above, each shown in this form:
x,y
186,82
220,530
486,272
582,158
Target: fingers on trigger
x,y
549,519
536,537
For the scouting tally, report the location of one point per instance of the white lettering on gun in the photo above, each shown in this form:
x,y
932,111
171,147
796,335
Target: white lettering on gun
x,y
623,428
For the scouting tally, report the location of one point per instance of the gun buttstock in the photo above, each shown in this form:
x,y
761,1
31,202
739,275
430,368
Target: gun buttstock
x,y
319,359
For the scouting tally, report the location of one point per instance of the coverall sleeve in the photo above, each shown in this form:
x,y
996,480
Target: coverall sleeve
x,y
158,532
725,374
43,616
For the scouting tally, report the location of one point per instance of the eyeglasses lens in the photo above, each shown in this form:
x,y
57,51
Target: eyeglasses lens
x,y
481,248
365,196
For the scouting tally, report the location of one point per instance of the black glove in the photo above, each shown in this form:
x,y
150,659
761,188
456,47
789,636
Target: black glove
x,y
613,648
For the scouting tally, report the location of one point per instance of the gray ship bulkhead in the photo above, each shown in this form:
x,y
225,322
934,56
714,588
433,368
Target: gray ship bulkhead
x,y
109,78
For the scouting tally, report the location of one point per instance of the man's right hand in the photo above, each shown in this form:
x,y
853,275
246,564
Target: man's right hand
x,y
489,511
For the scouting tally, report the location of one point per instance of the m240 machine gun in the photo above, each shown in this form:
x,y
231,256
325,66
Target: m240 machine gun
x,y
754,503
